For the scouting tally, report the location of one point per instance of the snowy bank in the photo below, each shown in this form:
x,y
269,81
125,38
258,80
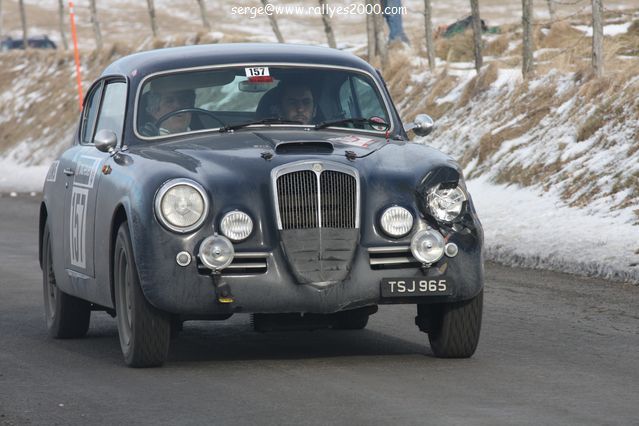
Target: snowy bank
x,y
524,228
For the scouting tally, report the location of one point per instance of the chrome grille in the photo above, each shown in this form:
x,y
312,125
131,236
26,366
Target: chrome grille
x,y
338,197
316,195
297,195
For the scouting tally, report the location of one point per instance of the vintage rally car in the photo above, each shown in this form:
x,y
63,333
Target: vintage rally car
x,y
269,179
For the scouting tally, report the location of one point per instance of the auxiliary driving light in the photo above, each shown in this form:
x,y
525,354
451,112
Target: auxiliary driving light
x,y
216,252
397,221
427,246
236,225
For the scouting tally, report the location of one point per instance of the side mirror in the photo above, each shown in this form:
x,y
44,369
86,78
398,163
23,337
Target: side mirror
x,y
105,140
422,125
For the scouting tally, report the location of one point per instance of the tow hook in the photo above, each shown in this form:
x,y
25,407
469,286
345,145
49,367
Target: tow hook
x,y
222,289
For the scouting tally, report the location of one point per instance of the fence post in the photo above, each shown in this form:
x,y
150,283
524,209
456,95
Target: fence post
x,y
380,42
63,37
474,6
154,24
527,51
23,20
428,24
96,25
370,32
205,18
597,37
551,9
274,26
328,29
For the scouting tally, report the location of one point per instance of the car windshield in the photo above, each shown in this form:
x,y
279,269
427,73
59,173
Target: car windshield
x,y
240,97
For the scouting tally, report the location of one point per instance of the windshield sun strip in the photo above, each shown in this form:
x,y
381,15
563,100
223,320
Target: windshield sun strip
x,y
268,64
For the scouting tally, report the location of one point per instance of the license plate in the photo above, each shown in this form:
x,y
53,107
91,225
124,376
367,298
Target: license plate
x,y
403,287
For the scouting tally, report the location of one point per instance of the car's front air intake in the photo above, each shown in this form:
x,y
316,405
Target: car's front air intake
x,y
317,207
317,199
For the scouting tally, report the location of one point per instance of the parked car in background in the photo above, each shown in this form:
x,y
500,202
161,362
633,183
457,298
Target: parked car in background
x,y
265,179
36,42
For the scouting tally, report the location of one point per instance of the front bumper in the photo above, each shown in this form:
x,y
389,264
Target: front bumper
x,y
187,291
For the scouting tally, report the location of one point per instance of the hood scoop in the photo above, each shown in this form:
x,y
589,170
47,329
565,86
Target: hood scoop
x,y
314,147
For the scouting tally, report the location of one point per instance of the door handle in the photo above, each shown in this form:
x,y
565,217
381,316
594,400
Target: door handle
x,y
68,172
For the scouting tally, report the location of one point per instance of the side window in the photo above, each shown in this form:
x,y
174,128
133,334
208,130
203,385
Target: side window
x,y
359,99
346,100
112,111
369,103
89,114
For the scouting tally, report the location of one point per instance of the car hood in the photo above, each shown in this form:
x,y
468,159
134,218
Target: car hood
x,y
250,148
245,159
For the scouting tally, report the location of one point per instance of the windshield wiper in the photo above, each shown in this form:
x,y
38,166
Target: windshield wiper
x,y
353,120
269,120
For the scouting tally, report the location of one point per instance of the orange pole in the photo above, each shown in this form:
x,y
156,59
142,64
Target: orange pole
x,y
76,53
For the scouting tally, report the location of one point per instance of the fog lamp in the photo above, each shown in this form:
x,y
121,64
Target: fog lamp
x,y
236,225
397,221
427,246
216,252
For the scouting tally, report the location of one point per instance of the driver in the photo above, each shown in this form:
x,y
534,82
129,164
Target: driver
x,y
164,102
296,102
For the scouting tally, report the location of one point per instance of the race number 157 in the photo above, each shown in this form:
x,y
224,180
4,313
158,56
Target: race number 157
x,y
256,71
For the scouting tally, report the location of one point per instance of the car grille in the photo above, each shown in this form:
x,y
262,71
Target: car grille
x,y
305,202
317,213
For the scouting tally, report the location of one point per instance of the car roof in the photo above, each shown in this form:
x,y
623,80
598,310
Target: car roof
x,y
141,64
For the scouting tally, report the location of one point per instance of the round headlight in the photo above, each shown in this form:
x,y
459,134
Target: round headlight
x,y
445,204
236,226
397,221
427,246
216,252
181,205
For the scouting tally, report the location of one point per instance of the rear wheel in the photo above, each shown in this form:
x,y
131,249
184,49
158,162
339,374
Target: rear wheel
x,y
144,330
453,328
66,316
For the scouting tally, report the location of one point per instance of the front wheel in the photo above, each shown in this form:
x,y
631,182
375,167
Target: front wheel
x,y
144,330
453,328
67,316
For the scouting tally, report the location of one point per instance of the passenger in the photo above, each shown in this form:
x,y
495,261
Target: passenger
x,y
162,103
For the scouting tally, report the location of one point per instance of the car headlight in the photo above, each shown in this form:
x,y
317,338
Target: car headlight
x,y
396,221
181,205
445,204
236,226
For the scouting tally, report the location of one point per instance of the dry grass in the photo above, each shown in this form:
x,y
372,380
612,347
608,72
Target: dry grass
x,y
479,84
33,116
591,125
456,49
561,36
498,46
490,143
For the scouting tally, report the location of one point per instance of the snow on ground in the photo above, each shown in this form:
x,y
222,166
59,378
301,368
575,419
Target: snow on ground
x,y
525,229
20,178
608,30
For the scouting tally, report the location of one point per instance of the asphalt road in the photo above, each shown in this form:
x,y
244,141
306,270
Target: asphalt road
x,y
555,349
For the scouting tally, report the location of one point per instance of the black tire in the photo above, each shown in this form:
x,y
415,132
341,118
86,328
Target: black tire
x,y
144,330
67,316
455,332
351,321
